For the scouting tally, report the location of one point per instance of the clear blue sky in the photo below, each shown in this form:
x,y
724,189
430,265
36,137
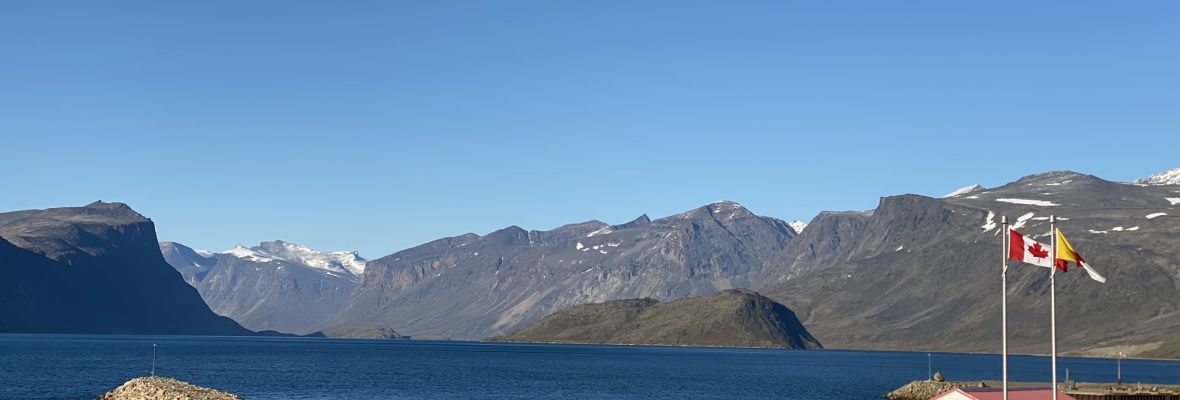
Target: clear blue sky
x,y
380,125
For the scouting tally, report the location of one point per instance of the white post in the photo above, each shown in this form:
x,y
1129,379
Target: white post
x,y
1004,306
1053,299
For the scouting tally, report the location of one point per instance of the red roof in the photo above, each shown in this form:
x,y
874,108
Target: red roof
x,y
997,394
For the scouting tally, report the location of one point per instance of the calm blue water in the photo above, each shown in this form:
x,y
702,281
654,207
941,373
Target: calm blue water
x,y
81,367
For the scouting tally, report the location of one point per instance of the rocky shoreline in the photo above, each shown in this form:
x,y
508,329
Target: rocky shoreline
x,y
160,388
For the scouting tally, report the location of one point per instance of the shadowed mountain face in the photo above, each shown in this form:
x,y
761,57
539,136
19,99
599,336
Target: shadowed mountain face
x,y
732,318
473,287
919,273
94,269
276,285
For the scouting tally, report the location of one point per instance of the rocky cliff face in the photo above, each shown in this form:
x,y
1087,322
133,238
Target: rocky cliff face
x,y
919,273
276,286
473,286
731,318
94,269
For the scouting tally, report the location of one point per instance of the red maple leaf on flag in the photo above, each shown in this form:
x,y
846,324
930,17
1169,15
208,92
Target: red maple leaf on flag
x,y
1037,251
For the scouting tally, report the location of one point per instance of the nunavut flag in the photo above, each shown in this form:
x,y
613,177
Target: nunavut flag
x,y
1066,254
1028,250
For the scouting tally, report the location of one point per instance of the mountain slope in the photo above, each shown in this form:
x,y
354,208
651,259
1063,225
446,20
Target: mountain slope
x,y
473,286
732,318
919,273
94,269
276,285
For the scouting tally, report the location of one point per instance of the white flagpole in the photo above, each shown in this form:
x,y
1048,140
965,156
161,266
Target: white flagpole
x,y
1053,298
1004,305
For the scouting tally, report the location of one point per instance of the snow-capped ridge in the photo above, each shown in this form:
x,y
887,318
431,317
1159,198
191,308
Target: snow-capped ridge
x,y
346,262
335,261
965,191
798,225
1169,177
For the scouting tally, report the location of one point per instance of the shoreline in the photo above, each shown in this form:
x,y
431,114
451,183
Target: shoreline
x,y
297,338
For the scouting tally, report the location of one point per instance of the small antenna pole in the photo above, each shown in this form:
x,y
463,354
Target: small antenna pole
x,y
929,370
154,346
1119,373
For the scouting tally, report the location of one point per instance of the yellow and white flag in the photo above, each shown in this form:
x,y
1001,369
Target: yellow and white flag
x,y
1066,254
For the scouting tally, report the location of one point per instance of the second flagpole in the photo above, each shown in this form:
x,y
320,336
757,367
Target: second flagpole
x,y
1004,306
1053,298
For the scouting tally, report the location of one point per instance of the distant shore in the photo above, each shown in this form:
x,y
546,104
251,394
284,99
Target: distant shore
x,y
883,350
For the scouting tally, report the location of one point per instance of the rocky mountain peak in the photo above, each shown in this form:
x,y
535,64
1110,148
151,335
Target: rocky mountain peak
x,y
724,209
642,221
723,205
512,235
115,211
1057,178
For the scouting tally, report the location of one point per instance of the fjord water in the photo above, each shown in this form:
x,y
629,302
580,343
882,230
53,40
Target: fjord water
x,y
82,367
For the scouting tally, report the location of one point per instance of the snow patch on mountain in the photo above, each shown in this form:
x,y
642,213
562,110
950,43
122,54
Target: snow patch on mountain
x,y
601,231
1028,202
991,221
243,252
1022,220
966,190
1169,177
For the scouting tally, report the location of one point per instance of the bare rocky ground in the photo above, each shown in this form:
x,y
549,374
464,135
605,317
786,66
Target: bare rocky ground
x,y
160,388
923,390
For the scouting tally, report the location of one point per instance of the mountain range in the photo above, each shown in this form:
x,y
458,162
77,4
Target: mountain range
x,y
473,287
915,273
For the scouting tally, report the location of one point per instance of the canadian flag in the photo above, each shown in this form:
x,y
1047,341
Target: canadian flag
x,y
1028,250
